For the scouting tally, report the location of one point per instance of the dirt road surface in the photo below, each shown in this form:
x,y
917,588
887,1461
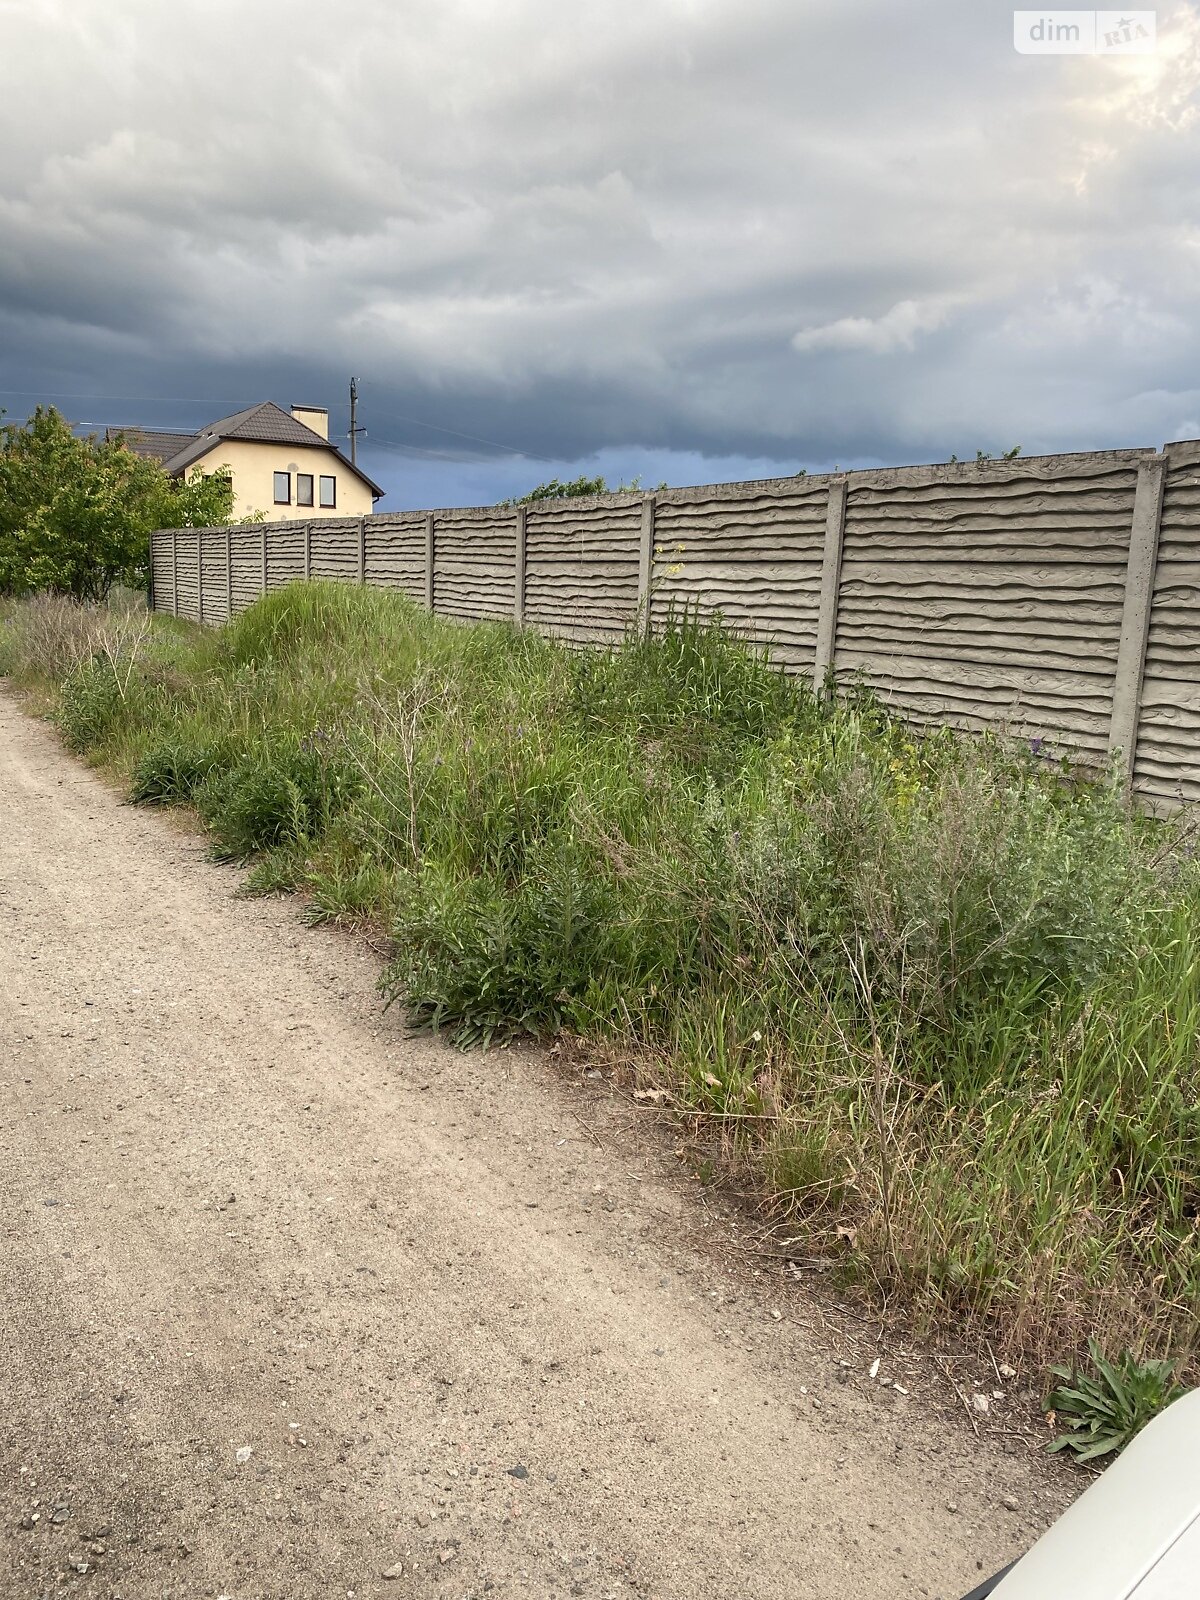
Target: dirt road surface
x,y
292,1301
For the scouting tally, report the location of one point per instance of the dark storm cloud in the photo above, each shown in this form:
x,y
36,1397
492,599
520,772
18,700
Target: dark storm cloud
x,y
660,230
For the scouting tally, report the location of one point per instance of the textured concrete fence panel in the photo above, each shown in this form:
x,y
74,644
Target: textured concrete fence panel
x,y
395,552
1056,597
474,565
581,566
994,597
334,549
246,560
752,551
1168,737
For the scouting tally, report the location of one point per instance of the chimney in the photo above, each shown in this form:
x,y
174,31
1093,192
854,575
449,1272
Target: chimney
x,y
314,417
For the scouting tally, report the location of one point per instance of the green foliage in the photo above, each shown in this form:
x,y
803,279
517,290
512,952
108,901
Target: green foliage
x,y
171,770
1105,1408
576,488
76,514
282,791
929,990
554,490
1010,454
201,500
90,702
279,871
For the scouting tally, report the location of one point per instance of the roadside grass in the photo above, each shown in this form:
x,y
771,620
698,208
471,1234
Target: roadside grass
x,y
935,1001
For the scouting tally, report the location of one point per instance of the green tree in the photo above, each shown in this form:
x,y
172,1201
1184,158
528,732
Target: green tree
x,y
205,500
1010,454
553,489
76,514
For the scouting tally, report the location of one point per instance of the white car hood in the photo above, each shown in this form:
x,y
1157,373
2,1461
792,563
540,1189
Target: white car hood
x,y
1134,1532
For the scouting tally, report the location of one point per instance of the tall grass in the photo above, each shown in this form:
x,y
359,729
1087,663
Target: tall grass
x,y
938,1002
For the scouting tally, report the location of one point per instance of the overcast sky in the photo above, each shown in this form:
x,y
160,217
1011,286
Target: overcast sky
x,y
691,239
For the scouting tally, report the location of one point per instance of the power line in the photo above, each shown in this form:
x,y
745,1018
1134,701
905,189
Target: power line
x,y
455,434
422,452
131,399
160,399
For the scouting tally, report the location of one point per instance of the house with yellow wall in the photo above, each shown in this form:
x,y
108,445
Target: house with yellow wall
x,y
281,462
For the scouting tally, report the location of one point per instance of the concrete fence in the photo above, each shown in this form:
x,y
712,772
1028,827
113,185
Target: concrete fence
x,y
1055,598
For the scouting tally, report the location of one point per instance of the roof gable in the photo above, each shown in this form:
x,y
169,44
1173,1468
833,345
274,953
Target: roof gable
x,y
260,424
265,423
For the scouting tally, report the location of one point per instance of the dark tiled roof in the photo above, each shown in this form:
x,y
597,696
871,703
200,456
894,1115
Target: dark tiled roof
x,y
265,424
262,424
150,442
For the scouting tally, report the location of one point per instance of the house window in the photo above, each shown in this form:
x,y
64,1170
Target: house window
x,y
304,486
283,488
329,491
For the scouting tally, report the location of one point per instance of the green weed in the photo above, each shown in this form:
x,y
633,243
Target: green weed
x,y
1105,1408
89,704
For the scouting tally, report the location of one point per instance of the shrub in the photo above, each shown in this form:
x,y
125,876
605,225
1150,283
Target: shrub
x,y
48,636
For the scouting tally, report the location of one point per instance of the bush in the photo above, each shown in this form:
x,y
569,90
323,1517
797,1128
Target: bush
x,y
48,636
76,514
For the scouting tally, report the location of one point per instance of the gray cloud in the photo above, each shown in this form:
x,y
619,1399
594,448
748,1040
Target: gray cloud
x,y
667,231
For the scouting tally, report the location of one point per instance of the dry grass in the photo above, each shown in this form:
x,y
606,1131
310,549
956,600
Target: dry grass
x,y
49,637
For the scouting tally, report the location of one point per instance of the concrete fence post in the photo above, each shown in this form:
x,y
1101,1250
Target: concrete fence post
x,y
646,564
362,549
519,570
429,553
228,574
831,581
199,574
174,572
264,559
1135,615
308,550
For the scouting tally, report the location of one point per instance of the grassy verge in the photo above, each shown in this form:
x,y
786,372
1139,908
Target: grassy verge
x,y
938,1002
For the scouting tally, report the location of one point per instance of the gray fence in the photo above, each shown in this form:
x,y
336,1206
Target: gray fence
x,y
1056,597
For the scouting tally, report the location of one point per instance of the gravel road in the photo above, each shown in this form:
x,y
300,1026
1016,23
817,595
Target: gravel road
x,y
295,1305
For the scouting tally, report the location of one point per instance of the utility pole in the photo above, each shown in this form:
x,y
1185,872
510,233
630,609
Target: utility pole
x,y
355,430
